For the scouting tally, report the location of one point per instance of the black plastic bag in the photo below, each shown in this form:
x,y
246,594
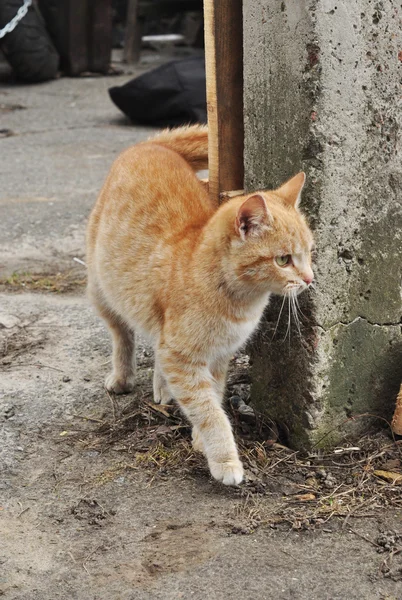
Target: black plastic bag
x,y
173,94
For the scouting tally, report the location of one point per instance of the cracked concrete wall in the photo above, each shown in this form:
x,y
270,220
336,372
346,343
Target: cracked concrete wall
x,y
322,93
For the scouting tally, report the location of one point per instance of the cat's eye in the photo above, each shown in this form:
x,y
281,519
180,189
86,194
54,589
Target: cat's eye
x,y
282,261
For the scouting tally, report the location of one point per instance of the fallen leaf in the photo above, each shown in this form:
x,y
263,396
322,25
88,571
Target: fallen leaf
x,y
394,464
396,423
304,497
163,429
395,478
161,408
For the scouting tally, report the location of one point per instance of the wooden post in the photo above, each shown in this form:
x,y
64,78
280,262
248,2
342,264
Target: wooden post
x,y
224,74
81,31
100,35
76,36
132,40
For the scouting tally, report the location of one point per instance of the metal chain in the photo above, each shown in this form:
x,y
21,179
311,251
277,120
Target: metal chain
x,y
22,11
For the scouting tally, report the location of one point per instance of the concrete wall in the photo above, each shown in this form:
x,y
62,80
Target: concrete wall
x,y
322,93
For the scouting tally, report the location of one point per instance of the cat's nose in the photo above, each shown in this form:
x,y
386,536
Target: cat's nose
x,y
308,277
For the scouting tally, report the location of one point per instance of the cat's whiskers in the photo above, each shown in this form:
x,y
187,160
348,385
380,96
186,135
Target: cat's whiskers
x,y
279,317
293,306
289,318
294,310
299,310
291,296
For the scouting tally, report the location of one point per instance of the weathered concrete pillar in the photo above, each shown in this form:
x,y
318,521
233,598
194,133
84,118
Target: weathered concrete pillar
x,y
322,93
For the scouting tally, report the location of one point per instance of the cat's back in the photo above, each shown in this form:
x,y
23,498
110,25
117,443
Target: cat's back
x,y
142,230
150,190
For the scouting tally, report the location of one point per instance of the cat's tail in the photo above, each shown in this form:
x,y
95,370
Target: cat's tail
x,y
191,142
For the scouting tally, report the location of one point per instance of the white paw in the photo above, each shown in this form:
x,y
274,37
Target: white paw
x,y
119,385
197,442
229,472
162,395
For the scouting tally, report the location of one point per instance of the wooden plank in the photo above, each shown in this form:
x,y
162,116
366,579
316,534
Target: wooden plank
x,y
224,74
100,35
77,36
132,39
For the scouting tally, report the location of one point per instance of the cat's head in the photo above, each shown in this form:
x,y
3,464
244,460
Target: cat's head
x,y
271,243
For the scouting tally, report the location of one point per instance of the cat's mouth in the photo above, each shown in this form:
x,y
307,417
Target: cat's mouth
x,y
294,287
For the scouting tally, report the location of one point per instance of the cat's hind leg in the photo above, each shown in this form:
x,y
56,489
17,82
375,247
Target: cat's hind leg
x,y
122,378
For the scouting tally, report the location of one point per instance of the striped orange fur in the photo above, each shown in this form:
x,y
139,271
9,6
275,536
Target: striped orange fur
x,y
192,276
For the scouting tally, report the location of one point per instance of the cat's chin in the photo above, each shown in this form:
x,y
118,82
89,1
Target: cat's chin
x,y
293,290
287,292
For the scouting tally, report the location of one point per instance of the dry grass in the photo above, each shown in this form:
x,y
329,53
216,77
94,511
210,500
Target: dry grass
x,y
315,488
57,283
281,485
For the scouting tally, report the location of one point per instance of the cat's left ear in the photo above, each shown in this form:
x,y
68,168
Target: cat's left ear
x,y
292,189
253,216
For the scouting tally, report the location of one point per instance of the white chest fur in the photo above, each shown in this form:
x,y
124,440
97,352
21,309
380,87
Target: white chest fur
x,y
236,332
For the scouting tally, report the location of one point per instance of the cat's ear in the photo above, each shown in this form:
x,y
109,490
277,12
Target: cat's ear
x,y
253,216
292,189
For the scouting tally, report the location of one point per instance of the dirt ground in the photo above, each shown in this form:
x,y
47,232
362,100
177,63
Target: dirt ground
x,y
103,498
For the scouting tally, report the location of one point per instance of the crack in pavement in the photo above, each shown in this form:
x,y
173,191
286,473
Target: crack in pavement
x,y
355,320
70,128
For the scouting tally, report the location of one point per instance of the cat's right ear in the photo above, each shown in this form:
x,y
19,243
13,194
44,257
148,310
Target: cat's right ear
x,y
252,217
291,191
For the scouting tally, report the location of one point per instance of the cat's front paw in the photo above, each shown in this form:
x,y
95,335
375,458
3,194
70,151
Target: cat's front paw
x,y
196,441
119,385
162,395
229,472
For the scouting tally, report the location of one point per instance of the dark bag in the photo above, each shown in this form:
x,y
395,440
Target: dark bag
x,y
171,95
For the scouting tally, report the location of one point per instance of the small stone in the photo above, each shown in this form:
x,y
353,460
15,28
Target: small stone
x,y
330,481
388,539
236,401
246,413
120,480
66,378
249,476
8,321
86,378
311,481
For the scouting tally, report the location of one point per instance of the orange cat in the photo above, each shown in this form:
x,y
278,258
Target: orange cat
x,y
192,276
